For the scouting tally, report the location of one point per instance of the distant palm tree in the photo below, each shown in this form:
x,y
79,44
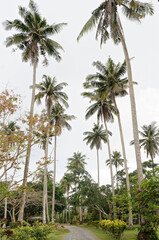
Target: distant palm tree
x,y
116,161
104,110
94,139
107,19
150,141
109,82
65,183
76,166
60,121
76,162
52,93
33,38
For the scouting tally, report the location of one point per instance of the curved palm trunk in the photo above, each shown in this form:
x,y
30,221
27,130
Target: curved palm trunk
x,y
54,183
133,110
125,163
27,161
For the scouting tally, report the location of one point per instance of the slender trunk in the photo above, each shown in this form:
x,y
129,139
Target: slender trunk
x,y
69,216
66,214
116,177
80,210
27,161
111,169
98,167
153,169
133,110
13,215
100,214
45,178
125,163
110,159
47,209
5,200
54,183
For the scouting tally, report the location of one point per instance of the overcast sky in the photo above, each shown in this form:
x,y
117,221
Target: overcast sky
x,y
143,45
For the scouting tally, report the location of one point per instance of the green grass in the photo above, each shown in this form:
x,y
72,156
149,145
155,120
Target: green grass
x,y
59,234
101,235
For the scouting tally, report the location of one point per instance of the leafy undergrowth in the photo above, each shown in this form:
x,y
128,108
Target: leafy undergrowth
x,y
59,234
101,235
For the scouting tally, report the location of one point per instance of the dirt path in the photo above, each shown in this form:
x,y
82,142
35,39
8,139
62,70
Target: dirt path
x,y
77,233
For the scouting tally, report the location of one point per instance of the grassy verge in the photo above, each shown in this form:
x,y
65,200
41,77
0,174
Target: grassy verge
x,y
101,235
58,235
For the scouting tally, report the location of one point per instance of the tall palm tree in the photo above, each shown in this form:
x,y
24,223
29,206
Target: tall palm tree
x,y
76,166
106,18
52,93
66,182
110,82
116,161
33,38
45,135
76,162
95,139
60,121
150,141
104,110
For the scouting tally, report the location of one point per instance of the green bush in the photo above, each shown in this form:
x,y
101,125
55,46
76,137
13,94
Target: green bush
x,y
36,232
116,227
22,233
40,231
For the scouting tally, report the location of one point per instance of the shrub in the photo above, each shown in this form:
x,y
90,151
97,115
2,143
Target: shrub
x,y
36,232
40,231
116,227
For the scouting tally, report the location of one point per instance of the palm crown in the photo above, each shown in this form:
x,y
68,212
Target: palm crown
x,y
33,34
107,19
52,92
95,137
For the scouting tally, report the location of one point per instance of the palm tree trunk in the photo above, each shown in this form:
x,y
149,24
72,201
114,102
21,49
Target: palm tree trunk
x,y
98,167
153,170
110,159
27,161
111,169
133,110
54,183
45,179
125,163
116,177
5,200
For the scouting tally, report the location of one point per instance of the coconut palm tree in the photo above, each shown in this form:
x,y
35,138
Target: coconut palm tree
x,y
104,110
95,139
116,161
110,82
60,121
52,92
33,38
150,141
76,162
107,19
76,166
65,183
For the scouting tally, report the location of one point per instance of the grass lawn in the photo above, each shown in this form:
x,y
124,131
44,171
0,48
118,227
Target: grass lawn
x,y
58,235
101,235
